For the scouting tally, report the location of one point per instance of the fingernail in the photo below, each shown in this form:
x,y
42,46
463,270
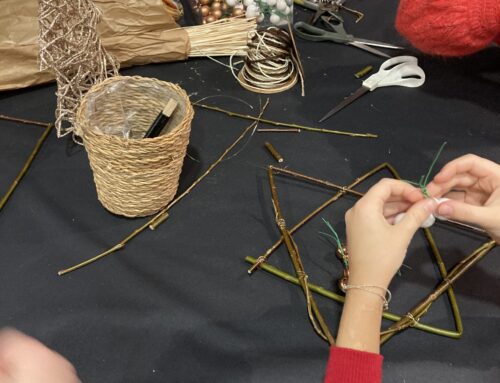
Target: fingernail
x,y
430,205
445,210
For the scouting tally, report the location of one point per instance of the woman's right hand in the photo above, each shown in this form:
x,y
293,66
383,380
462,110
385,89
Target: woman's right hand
x,y
472,184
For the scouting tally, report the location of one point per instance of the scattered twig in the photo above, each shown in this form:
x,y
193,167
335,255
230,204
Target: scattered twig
x,y
277,123
154,222
36,149
23,121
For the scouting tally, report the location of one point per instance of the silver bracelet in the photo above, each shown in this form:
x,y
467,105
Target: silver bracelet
x,y
386,297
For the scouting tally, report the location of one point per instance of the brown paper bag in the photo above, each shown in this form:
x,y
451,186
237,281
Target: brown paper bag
x,y
134,31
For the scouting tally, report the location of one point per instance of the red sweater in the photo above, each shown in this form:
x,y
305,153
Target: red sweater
x,y
449,27
353,366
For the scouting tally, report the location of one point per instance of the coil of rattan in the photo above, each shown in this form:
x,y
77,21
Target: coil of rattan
x,y
134,177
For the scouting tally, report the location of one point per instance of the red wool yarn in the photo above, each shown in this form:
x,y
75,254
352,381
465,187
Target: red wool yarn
x,y
449,27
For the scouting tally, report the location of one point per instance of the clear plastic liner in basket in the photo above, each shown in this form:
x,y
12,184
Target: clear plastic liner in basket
x,y
126,109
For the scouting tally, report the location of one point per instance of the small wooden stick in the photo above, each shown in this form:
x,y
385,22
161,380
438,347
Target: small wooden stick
x,y
315,180
158,218
363,72
27,164
273,151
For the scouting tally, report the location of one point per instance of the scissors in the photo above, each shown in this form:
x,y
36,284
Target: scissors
x,y
397,71
337,34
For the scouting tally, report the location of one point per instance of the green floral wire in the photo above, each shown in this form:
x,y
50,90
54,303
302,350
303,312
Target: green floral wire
x,y
424,179
336,238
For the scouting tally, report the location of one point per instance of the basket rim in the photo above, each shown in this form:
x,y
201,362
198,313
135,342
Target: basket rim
x,y
97,87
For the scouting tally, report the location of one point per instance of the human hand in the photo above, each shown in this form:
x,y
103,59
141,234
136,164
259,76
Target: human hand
x,y
472,184
376,247
26,360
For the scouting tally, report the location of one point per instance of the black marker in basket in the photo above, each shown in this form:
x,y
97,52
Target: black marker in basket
x,y
161,120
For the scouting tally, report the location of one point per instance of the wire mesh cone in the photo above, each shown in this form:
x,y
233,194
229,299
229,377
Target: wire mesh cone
x,y
134,177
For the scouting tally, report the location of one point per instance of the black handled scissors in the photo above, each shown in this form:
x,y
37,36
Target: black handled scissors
x,y
337,34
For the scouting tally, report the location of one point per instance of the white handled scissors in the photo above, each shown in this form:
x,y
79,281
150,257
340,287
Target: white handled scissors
x,y
398,71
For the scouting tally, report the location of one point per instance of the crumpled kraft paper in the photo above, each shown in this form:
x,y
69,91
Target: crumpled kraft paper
x,y
134,31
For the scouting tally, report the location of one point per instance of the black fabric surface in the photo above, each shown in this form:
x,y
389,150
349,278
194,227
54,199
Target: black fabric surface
x,y
177,305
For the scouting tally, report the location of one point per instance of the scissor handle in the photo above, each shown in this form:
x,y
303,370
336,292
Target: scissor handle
x,y
400,71
312,33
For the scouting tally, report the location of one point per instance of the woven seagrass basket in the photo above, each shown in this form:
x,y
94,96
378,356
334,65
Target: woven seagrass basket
x,y
134,177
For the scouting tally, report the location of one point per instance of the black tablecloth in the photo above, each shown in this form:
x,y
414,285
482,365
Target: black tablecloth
x,y
177,305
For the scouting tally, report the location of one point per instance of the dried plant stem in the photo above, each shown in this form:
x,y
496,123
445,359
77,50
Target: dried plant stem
x,y
339,298
23,121
224,37
343,190
34,152
161,216
277,123
279,130
412,318
315,316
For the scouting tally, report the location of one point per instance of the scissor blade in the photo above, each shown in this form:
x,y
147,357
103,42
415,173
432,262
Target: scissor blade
x,y
379,44
371,50
354,96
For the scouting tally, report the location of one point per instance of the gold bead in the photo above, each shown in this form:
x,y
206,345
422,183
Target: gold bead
x,y
217,13
205,11
210,19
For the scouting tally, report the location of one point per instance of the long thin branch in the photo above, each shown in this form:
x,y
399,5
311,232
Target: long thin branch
x,y
161,216
23,121
27,164
285,124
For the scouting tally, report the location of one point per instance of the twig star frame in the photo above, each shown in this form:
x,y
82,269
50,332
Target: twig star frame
x,y
413,316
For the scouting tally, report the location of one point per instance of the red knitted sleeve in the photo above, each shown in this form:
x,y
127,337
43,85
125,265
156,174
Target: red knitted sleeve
x,y
449,27
352,366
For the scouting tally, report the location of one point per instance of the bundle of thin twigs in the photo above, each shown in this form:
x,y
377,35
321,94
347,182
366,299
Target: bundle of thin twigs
x,y
224,37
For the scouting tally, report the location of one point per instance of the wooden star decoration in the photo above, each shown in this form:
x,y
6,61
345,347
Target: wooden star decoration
x,y
401,322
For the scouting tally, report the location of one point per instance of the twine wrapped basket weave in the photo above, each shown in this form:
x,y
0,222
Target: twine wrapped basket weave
x,y
134,177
